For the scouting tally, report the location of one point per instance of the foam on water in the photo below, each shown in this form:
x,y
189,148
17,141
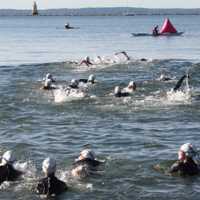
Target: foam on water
x,y
178,96
62,95
74,182
105,62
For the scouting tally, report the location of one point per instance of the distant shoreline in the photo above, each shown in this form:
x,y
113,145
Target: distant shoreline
x,y
107,11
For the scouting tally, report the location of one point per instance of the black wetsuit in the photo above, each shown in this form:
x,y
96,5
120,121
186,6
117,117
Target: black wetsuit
x,y
51,186
73,86
179,83
8,173
49,88
85,81
185,168
166,79
122,94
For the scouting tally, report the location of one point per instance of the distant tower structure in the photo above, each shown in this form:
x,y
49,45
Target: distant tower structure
x,y
35,10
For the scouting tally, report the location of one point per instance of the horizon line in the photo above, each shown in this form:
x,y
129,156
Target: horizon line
x,y
99,8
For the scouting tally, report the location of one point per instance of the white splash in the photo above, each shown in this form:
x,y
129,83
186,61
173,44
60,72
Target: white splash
x,y
64,95
74,182
178,96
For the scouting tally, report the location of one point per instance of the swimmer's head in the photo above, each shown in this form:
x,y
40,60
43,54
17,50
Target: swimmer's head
x,y
91,78
87,154
74,83
187,150
132,85
49,166
49,76
8,158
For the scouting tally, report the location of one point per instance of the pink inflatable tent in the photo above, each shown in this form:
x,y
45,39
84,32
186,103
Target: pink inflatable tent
x,y
167,27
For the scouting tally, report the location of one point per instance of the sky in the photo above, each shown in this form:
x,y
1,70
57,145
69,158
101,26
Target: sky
x,y
47,4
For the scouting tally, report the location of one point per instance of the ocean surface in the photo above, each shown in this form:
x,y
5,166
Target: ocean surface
x,y
137,136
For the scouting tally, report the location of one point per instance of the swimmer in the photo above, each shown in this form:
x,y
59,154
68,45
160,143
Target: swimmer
x,y
49,76
123,53
119,93
86,61
48,85
91,79
188,162
163,77
50,185
130,88
48,82
86,164
73,84
7,170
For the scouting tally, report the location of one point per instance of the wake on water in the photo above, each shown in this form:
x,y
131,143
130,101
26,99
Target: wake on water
x,y
63,95
108,61
180,95
169,98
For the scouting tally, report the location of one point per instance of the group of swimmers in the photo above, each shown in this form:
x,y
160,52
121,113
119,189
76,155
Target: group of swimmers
x,y
100,60
88,62
85,165
49,84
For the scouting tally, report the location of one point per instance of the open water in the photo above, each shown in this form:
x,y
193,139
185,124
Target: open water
x,y
133,135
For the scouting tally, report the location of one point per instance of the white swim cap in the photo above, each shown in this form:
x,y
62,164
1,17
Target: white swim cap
x,y
74,82
162,76
91,77
48,76
117,90
87,153
49,166
188,149
131,83
47,82
8,158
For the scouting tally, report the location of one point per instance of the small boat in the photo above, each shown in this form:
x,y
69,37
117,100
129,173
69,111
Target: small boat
x,y
160,34
166,30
